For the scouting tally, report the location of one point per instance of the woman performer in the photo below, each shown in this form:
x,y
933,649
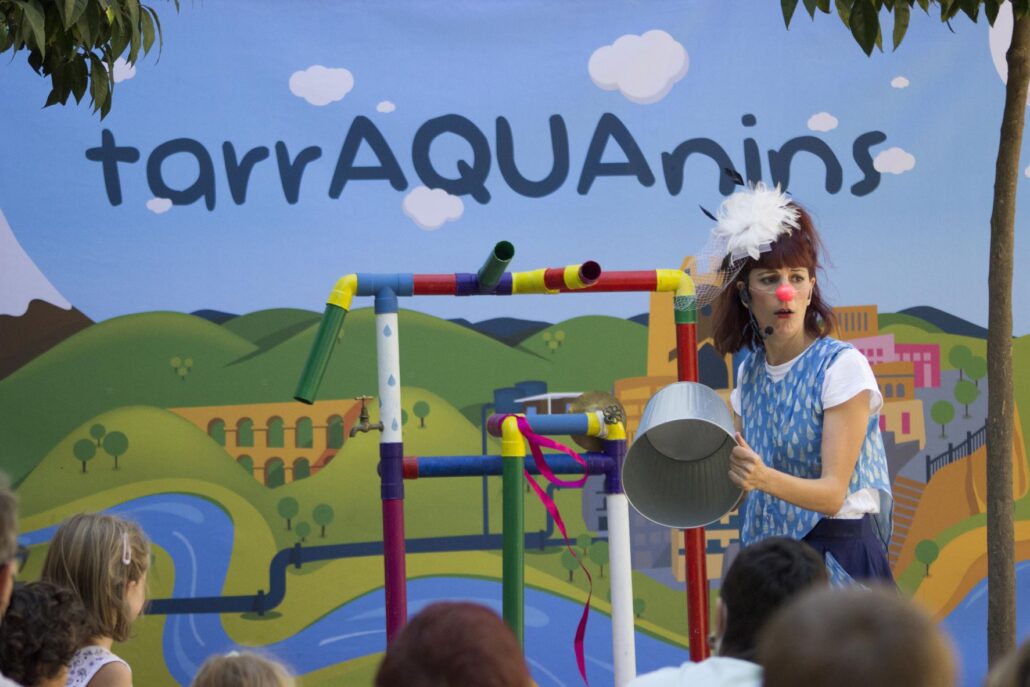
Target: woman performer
x,y
810,457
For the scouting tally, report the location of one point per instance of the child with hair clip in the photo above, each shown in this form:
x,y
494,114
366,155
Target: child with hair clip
x,y
242,669
104,560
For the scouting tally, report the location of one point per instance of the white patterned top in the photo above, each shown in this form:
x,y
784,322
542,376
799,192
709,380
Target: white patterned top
x,y
87,661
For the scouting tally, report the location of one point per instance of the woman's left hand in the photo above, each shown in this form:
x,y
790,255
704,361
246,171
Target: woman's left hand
x,y
747,469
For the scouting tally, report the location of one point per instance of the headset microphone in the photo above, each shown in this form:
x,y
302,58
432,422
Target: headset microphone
x,y
745,299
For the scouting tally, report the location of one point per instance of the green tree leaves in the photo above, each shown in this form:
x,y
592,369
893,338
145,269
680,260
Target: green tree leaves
x,y
288,509
84,450
76,42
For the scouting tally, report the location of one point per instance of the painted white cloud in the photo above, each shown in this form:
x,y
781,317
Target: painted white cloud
x,y
321,85
123,71
998,38
1026,172
430,208
899,82
385,106
894,161
642,68
822,121
159,206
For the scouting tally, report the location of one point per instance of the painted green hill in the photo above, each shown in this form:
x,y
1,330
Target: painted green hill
x,y
162,445
119,362
887,319
265,328
591,352
126,361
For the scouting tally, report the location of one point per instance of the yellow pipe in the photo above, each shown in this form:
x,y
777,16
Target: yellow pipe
x,y
343,291
529,282
572,278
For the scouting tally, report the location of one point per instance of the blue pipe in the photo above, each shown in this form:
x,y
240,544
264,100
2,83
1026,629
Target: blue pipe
x,y
465,466
571,423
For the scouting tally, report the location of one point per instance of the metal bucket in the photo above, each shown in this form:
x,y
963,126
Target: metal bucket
x,y
676,470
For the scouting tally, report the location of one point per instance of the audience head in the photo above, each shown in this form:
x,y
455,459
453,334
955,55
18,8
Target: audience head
x,y
8,541
242,669
854,637
453,644
103,559
44,626
761,579
1013,670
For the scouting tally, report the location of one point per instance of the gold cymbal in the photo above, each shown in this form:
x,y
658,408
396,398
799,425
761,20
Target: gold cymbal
x,y
592,401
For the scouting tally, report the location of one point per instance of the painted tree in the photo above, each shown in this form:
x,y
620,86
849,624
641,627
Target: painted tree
x,y
182,366
569,562
966,393
583,542
115,444
927,552
404,417
599,554
862,17
97,431
302,530
976,369
421,410
75,43
942,412
84,450
288,509
323,515
639,606
959,356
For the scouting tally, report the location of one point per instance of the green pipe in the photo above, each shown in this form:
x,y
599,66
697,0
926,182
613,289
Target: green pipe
x,y
513,452
321,349
496,264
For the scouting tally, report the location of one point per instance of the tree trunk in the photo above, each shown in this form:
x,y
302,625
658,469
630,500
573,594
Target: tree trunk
x,y
1001,578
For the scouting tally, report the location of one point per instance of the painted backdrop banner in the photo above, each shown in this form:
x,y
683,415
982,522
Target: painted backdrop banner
x,y
163,272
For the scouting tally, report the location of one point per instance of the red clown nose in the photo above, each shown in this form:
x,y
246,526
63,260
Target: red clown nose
x,y
786,292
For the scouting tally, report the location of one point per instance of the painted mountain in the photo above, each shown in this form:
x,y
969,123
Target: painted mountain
x,y
34,316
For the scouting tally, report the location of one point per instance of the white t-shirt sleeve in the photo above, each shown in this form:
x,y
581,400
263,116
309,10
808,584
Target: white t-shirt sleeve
x,y
735,394
849,375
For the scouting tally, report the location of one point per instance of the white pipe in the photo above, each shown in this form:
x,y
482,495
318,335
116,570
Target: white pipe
x,y
624,653
388,355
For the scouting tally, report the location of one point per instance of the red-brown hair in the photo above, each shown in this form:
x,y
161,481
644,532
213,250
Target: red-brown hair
x,y
454,644
732,330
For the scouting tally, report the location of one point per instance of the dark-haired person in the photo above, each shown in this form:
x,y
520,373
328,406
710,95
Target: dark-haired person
x,y
855,638
42,629
8,553
454,644
762,579
810,456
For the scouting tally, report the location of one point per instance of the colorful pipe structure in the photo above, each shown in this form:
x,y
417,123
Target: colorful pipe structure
x,y
492,279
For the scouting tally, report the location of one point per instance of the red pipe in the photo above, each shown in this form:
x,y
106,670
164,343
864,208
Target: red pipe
x,y
693,538
435,285
409,467
636,280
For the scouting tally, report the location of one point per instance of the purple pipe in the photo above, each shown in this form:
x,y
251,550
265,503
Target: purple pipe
x,y
393,562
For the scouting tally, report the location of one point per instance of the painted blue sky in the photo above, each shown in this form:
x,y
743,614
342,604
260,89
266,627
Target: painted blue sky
x,y
920,238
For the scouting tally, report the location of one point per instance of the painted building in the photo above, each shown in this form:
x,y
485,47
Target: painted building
x,y
876,349
278,442
856,322
896,381
553,403
926,361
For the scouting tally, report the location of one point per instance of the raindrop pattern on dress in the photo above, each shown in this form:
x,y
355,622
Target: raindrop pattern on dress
x,y
783,423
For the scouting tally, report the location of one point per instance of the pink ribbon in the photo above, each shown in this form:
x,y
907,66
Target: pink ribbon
x,y
535,442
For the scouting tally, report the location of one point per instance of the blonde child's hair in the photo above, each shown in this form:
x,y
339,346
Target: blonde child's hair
x,y
242,669
97,556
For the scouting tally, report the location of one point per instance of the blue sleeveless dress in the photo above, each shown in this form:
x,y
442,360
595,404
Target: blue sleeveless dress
x,y
783,423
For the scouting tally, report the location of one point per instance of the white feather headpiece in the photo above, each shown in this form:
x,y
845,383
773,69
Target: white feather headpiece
x,y
750,220
747,224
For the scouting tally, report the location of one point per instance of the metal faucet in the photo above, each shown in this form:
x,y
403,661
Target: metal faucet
x,y
363,424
